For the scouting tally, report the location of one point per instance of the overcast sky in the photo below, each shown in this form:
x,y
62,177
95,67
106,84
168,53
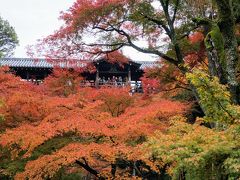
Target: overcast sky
x,y
32,19
35,19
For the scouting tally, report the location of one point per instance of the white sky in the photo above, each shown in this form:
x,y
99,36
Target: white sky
x,y
35,19
32,19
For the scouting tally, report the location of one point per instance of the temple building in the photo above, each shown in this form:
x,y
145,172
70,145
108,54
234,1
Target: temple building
x,y
105,72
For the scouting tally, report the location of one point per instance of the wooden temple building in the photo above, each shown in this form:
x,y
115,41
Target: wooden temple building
x,y
105,73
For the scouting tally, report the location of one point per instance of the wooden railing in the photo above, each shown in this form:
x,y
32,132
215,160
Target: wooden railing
x,y
107,84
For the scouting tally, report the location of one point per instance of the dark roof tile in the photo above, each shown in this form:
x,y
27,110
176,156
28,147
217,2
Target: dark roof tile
x,y
43,63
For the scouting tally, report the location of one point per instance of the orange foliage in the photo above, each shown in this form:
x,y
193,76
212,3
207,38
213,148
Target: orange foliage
x,y
50,164
116,57
165,78
196,37
115,100
86,121
63,82
111,124
150,85
24,107
22,102
196,56
9,83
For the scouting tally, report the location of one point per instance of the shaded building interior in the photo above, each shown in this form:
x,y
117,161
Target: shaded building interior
x,y
105,73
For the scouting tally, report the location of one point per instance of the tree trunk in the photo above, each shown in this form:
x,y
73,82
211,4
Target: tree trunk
x,y
227,27
214,43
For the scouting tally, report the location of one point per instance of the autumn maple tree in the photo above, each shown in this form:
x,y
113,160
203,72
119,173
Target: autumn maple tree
x,y
161,24
166,78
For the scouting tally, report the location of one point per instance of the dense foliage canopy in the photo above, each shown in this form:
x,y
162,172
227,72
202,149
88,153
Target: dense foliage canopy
x,y
60,133
99,130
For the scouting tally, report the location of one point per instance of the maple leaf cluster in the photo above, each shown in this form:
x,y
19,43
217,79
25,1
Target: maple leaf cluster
x,y
63,82
166,79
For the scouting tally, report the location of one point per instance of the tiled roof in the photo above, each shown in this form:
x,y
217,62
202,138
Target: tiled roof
x,y
38,63
25,62
43,63
147,64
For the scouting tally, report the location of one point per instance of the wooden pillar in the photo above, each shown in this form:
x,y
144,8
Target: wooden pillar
x,y
129,74
45,73
97,77
27,75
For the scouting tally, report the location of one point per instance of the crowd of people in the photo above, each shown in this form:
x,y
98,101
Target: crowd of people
x,y
114,80
109,81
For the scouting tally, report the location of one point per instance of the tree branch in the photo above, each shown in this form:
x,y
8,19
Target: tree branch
x,y
87,167
158,22
175,11
146,51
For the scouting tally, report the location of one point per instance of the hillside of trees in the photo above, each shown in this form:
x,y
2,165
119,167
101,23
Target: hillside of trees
x,y
58,130
186,124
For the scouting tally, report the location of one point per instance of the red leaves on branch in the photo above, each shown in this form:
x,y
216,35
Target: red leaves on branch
x,y
196,57
165,78
116,57
63,82
95,28
115,100
9,83
89,11
25,107
196,37
150,85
